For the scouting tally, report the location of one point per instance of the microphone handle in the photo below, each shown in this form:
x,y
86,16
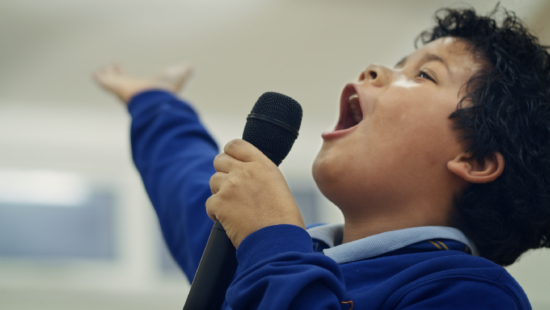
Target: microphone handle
x,y
215,273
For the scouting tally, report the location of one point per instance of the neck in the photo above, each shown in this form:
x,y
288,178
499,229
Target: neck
x,y
358,227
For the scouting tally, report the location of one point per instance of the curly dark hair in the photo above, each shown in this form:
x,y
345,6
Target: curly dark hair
x,y
508,111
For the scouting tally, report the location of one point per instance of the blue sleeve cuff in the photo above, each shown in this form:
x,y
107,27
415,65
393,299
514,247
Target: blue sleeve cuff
x,y
271,241
145,100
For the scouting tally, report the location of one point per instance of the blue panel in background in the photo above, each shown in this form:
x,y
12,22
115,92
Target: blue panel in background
x,y
51,232
307,200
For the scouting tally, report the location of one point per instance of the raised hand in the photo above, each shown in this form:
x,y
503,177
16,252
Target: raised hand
x,y
115,80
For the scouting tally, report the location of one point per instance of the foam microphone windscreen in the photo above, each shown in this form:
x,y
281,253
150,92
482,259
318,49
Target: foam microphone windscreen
x,y
273,124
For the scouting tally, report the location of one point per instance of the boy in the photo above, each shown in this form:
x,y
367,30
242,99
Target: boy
x,y
440,165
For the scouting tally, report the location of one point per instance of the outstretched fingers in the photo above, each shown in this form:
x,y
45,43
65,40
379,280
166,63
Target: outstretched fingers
x,y
174,77
109,71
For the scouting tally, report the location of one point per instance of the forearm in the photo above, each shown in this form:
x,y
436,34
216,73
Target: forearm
x,y
173,152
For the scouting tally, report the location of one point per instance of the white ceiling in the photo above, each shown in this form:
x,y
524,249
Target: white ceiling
x,y
303,48
240,48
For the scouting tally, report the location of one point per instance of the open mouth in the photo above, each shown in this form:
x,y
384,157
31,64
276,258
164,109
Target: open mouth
x,y
351,113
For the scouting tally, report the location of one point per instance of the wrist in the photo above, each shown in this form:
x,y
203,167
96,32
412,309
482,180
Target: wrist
x,y
126,95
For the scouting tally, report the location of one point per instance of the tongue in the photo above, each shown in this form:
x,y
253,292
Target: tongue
x,y
355,110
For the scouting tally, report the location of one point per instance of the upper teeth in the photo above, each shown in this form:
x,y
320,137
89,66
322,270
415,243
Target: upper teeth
x,y
353,101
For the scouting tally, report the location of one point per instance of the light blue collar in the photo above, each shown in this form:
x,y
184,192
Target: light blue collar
x,y
381,243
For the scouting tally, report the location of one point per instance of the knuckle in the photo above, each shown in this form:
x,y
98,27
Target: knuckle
x,y
231,145
233,182
211,205
217,159
213,189
248,172
208,205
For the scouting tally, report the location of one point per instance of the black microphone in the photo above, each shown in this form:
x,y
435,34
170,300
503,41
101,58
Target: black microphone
x,y
272,126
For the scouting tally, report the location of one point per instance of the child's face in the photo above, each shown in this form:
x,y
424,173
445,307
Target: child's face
x,y
398,152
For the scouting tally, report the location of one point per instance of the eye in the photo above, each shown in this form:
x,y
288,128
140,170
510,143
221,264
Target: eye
x,y
425,75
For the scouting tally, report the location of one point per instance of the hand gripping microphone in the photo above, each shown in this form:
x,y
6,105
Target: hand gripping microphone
x,y
272,126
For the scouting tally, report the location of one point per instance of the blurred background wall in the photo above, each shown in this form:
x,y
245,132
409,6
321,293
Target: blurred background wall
x,y
76,228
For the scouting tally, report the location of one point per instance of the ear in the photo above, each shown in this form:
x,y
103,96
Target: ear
x,y
473,171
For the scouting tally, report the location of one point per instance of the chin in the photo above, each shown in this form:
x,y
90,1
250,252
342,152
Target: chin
x,y
325,180
315,170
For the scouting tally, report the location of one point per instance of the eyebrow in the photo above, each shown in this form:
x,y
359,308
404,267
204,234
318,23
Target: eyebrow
x,y
401,62
426,58
433,57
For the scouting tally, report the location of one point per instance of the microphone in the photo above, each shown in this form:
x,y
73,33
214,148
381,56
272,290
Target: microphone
x,y
272,126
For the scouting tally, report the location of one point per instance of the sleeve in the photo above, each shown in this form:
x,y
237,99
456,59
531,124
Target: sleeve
x,y
279,270
174,155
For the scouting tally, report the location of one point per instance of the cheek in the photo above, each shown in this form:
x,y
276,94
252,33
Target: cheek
x,y
413,133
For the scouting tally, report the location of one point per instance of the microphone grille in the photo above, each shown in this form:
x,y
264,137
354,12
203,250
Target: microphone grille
x,y
273,140
279,107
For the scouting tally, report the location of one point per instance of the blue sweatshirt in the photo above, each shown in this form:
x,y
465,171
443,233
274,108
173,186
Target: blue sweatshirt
x,y
285,267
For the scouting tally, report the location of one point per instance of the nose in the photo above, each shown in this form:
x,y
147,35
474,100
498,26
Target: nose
x,y
376,75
